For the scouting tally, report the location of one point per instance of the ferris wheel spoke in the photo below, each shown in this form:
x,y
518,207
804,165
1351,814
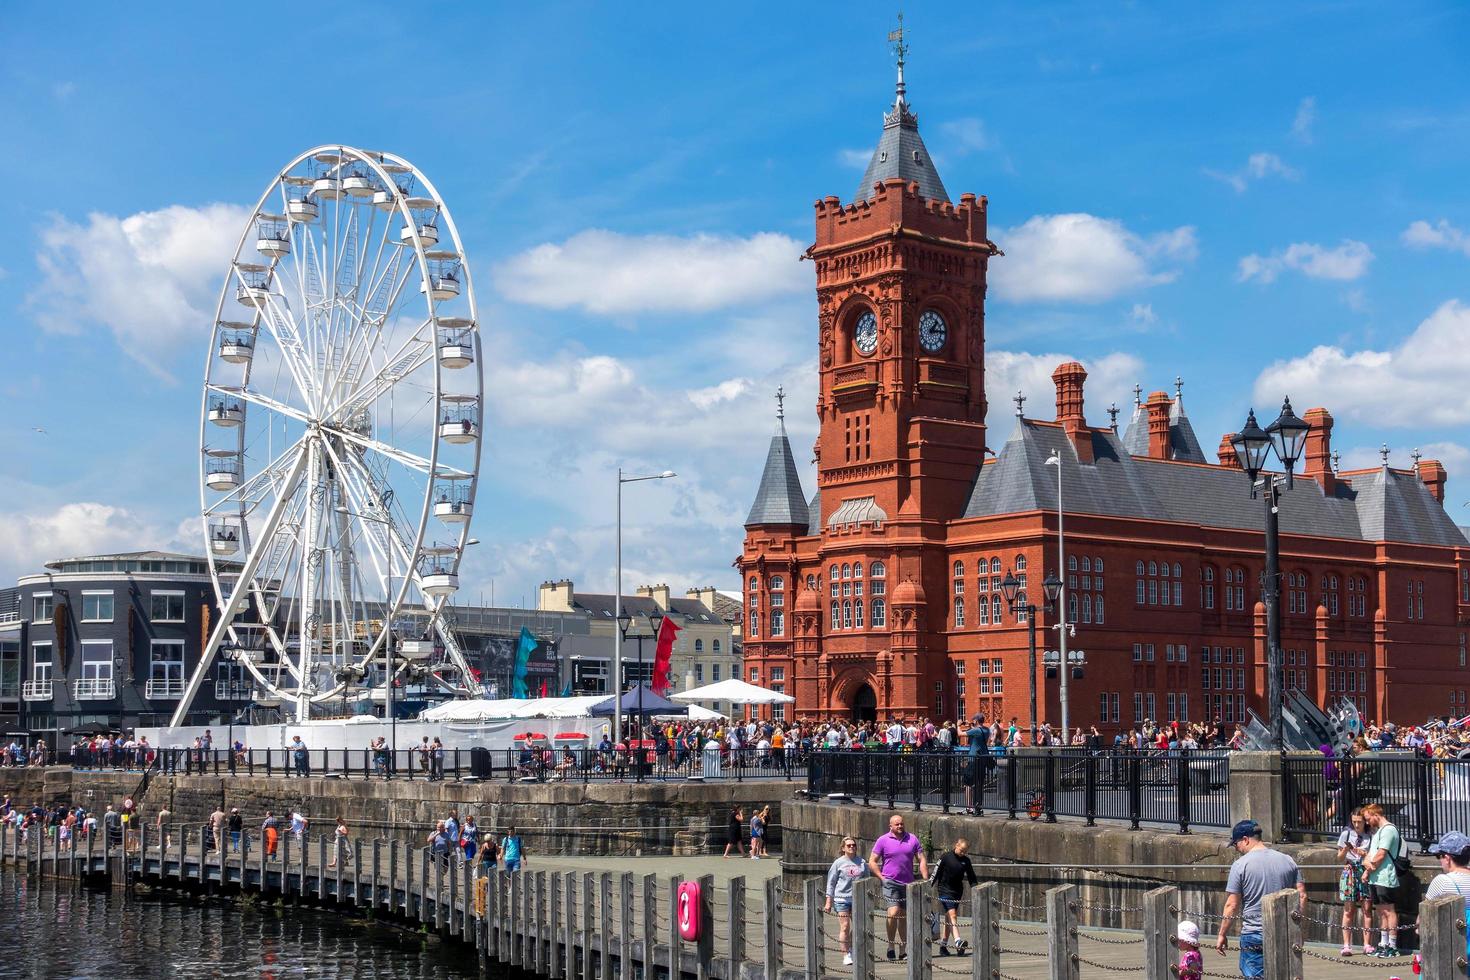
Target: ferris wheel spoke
x,y
264,401
411,356
253,490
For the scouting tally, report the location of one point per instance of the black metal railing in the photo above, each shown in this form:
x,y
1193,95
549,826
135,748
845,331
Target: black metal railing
x,y
511,765
1183,789
1423,798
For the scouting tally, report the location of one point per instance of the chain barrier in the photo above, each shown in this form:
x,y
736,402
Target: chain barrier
x,y
939,966
1107,908
1107,966
1019,952
997,975
1018,908
1367,962
1223,976
1111,942
1021,932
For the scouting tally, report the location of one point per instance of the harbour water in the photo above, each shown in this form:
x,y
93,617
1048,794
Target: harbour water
x,y
54,931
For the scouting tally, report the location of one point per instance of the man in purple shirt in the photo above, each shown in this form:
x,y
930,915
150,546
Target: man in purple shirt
x,y
893,861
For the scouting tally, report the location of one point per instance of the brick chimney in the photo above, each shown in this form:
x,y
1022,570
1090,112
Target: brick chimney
x,y
1432,472
1157,407
1069,379
1317,456
1226,452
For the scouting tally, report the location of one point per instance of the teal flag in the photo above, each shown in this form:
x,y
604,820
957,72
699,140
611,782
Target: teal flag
x,y
524,648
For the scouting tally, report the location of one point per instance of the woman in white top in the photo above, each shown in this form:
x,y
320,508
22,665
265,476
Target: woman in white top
x,y
1453,850
1352,885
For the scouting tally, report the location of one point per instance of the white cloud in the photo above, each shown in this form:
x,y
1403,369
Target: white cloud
x,y
1143,313
856,159
1257,167
1081,258
1109,379
1417,384
1306,118
61,91
151,278
1346,262
1441,234
30,539
964,136
607,272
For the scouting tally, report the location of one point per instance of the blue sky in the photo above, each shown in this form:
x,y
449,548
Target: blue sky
x,y
1265,199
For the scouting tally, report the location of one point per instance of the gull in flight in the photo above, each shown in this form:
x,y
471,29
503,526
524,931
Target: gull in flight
x,y
37,428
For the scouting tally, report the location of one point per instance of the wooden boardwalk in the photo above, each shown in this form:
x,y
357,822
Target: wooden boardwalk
x,y
600,918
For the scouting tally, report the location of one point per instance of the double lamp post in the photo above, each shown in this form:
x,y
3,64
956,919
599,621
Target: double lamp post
x,y
1016,599
625,622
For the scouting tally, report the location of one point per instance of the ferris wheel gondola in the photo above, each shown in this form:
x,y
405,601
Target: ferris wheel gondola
x,y
340,434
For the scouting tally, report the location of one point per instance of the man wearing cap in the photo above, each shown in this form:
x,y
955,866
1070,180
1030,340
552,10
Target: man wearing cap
x,y
1453,851
1258,872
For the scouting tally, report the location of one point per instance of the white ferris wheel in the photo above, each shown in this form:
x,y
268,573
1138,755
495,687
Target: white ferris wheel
x,y
341,429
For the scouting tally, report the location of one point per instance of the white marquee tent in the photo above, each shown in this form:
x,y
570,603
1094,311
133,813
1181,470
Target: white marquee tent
x,y
735,691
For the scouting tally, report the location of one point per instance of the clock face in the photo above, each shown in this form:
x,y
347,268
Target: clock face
x,y
865,333
932,331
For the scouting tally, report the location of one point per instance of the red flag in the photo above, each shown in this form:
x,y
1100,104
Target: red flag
x,y
663,656
543,687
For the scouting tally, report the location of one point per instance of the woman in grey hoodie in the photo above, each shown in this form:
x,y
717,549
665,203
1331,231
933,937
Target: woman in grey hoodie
x,y
844,874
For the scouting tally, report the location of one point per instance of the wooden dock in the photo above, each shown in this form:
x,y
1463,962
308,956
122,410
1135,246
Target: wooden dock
x,y
580,919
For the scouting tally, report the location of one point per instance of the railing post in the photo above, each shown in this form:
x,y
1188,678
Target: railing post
x,y
1013,777
1181,788
916,765
864,893
946,781
736,910
867,778
1159,925
1282,935
1089,789
569,922
625,925
1049,778
814,892
552,932
984,931
704,956
916,929
892,757
608,911
1061,933
650,923
1425,811
1135,789
1442,937
772,951
589,929
674,950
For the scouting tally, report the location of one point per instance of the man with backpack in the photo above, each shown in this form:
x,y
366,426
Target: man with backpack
x,y
1383,864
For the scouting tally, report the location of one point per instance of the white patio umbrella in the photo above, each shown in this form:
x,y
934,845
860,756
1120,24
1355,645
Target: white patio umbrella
x,y
735,691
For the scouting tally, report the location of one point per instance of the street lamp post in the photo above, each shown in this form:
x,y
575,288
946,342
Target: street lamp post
x,y
617,663
1016,600
230,655
1055,459
1286,436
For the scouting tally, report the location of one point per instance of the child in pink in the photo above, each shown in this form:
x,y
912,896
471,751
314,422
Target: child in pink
x,y
1191,964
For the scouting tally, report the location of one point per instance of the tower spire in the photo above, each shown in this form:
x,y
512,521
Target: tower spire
x,y
900,51
901,152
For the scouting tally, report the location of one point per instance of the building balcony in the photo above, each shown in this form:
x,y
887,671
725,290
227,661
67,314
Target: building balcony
x,y
93,689
36,691
164,688
228,691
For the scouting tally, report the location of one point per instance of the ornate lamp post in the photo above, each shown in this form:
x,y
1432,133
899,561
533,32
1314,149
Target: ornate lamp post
x,y
1016,600
617,663
1253,446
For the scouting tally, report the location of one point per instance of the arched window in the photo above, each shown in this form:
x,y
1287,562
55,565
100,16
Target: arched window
x,y
1207,587
1138,570
1071,563
1021,612
995,566
984,610
878,571
715,646
1086,564
836,586
777,583
698,646
811,581
846,571
879,613
1153,568
753,583
959,612
836,615
995,609
959,578
857,612
1086,608
959,569
1178,571
857,570
1097,610
847,614
1020,563
833,574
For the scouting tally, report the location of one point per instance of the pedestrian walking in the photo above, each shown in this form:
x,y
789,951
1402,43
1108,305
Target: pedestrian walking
x,y
734,832
469,837
512,850
301,757
893,860
270,831
341,844
1382,865
299,823
1191,964
950,878
758,833
439,844
1258,872
842,877
488,857
216,829
236,824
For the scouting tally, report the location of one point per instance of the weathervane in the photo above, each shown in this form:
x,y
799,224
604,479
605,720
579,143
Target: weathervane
x,y
1416,455
1336,457
1178,386
1383,455
900,49
1137,394
780,403
1020,401
1113,414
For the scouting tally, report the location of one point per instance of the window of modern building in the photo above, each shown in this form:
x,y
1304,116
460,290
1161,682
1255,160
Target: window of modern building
x,y
166,607
42,607
166,669
97,607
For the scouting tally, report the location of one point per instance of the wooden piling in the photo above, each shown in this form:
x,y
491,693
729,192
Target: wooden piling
x,y
1281,935
588,924
1441,939
920,895
605,885
772,951
984,931
735,903
675,950
1061,933
864,901
813,895
1159,925
625,925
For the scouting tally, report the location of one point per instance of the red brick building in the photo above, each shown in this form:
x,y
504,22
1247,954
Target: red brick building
x,y
881,593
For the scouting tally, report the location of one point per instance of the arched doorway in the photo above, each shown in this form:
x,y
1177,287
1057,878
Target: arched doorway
x,y
864,705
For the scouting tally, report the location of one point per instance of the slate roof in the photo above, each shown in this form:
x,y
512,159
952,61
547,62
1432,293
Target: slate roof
x,y
600,606
901,153
779,499
1373,505
1183,444
814,508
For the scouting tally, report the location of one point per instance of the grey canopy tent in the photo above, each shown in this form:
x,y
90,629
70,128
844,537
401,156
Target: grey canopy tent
x,y
650,704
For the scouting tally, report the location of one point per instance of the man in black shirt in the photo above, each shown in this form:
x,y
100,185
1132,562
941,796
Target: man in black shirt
x,y
950,876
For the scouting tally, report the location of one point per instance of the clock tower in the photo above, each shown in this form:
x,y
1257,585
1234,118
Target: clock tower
x,y
901,296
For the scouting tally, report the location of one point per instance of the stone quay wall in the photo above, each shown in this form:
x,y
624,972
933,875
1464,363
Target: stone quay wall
x,y
553,818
